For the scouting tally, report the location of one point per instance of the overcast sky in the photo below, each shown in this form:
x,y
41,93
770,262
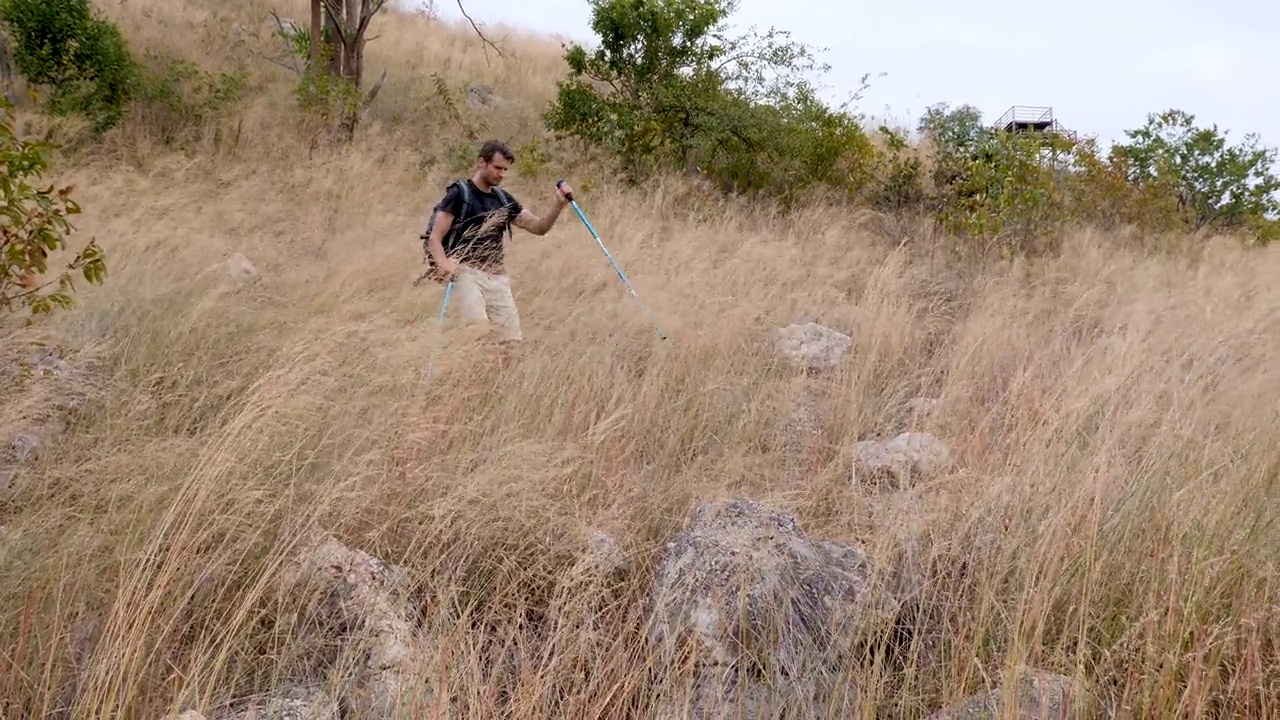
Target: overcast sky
x,y
1101,64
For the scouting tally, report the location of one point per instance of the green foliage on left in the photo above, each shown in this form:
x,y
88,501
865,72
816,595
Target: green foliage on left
x,y
85,61
34,222
84,58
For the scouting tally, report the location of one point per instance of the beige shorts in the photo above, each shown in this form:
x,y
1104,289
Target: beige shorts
x,y
483,297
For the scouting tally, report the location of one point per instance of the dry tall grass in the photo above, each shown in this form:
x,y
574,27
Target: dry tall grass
x,y
1113,415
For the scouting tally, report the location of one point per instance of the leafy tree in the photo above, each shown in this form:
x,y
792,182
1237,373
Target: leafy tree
x,y
1100,193
956,136
992,183
668,86
901,174
648,88
786,147
1216,184
34,223
84,58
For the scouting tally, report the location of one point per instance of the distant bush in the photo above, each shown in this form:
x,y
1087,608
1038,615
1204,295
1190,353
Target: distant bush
x,y
34,223
669,88
176,97
900,173
86,63
1217,185
994,184
84,58
1024,187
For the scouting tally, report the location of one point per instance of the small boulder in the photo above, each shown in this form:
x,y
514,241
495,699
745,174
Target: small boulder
x,y
604,555
294,704
924,406
362,602
48,361
240,268
764,605
479,95
1036,695
908,456
812,346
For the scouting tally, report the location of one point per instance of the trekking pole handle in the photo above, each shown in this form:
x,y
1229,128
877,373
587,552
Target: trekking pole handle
x,y
568,197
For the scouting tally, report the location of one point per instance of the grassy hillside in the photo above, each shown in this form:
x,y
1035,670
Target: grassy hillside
x,y
1109,513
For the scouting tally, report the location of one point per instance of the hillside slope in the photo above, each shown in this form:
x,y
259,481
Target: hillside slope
x,y
1104,510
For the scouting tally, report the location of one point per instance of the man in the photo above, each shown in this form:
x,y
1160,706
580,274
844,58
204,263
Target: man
x,y
475,261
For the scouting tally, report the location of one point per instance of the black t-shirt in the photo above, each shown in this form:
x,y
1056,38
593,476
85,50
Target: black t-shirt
x,y
483,250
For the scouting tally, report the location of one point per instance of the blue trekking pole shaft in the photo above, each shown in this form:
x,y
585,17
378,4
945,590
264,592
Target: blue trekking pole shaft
x,y
430,370
448,290
621,275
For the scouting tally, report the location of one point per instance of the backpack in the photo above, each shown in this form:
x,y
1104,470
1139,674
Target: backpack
x,y
449,241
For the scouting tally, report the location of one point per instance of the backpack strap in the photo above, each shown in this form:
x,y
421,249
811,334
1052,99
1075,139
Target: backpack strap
x,y
464,212
506,200
466,199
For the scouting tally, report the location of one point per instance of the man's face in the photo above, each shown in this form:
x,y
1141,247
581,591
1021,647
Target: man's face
x,y
495,170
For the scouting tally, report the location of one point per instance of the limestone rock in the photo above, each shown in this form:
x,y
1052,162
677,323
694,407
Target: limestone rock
x,y
479,95
812,346
898,461
749,588
1037,695
298,704
924,406
240,268
361,603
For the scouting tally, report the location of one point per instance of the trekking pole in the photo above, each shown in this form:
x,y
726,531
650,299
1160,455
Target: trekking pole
x,y
582,216
444,305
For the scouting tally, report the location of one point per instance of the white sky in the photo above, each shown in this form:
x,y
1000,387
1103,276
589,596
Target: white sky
x,y
1101,64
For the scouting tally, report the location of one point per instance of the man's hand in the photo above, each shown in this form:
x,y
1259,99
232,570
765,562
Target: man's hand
x,y
446,267
564,191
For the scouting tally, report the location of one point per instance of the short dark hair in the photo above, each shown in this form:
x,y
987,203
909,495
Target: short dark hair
x,y
494,147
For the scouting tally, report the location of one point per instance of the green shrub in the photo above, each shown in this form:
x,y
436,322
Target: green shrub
x,y
1220,186
84,58
177,97
668,88
34,223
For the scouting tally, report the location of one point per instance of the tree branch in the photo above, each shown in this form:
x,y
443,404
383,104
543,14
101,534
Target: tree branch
x,y
334,12
368,11
487,42
284,36
373,91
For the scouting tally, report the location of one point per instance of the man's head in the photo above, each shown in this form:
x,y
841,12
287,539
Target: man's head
x,y
494,161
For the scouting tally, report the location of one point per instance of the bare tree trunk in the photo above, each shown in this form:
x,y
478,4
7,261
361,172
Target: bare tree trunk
x,y
340,27
333,40
317,27
353,37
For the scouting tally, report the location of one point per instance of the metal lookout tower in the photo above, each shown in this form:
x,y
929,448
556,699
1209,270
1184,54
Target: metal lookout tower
x,y
1035,119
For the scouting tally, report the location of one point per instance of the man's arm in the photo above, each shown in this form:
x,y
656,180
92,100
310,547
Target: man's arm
x,y
539,224
435,243
446,213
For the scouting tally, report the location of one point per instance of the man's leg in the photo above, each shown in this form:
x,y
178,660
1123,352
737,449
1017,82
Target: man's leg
x,y
469,296
502,309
